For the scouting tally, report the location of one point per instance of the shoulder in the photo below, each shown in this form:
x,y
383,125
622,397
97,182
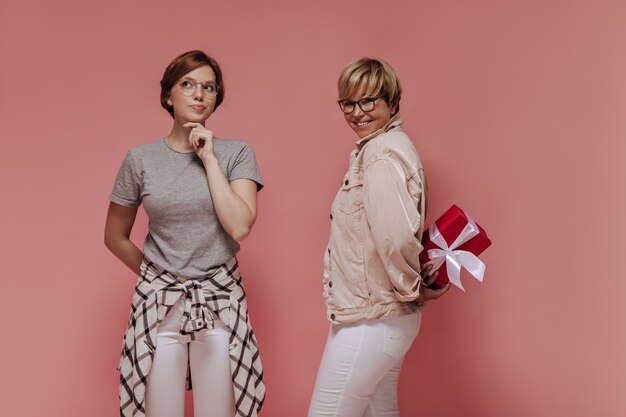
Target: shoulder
x,y
231,147
147,149
395,141
230,143
394,145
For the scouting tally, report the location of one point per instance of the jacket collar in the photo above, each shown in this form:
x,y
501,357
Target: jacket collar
x,y
395,121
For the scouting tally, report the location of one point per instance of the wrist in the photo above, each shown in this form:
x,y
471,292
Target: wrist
x,y
209,159
421,298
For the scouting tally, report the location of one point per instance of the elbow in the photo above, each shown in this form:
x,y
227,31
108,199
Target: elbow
x,y
408,289
406,297
109,242
241,230
240,234
112,241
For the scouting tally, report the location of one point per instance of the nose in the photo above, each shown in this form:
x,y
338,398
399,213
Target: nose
x,y
357,111
198,93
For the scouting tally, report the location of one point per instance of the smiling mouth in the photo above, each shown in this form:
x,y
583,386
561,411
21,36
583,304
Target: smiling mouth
x,y
364,123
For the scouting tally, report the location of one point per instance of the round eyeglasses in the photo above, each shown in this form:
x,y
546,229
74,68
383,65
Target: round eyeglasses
x,y
189,86
365,104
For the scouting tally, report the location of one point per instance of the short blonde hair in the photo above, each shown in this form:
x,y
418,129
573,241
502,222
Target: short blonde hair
x,y
377,78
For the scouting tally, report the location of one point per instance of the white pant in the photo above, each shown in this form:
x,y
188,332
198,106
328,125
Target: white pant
x,y
213,394
358,376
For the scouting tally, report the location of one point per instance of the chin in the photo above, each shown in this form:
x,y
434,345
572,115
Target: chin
x,y
196,118
362,133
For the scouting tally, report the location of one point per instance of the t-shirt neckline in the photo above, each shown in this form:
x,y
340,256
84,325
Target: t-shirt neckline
x,y
167,145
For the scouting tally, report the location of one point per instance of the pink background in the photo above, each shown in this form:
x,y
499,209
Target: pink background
x,y
518,112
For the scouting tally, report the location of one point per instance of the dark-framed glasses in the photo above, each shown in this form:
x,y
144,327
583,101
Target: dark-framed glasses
x,y
365,104
189,85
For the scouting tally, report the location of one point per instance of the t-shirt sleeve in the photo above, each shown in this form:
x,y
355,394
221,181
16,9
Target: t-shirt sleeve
x,y
245,167
127,187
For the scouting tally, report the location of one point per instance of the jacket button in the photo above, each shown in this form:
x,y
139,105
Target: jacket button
x,y
356,153
331,216
346,182
330,284
332,316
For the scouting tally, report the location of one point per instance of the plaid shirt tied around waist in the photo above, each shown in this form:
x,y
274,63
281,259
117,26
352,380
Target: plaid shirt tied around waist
x,y
219,294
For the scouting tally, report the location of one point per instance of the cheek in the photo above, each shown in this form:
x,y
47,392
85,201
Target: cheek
x,y
177,96
383,118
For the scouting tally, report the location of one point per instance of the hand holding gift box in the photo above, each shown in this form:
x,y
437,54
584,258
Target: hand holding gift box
x,y
453,242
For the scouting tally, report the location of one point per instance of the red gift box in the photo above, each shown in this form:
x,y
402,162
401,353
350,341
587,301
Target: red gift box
x,y
454,241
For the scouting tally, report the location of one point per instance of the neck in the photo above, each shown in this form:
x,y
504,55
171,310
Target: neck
x,y
178,138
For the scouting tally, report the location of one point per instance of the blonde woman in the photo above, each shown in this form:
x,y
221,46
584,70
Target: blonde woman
x,y
374,286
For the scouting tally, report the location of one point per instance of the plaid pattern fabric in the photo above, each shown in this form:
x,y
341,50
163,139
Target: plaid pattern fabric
x,y
219,294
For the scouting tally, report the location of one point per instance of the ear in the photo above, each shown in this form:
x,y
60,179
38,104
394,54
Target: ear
x,y
169,102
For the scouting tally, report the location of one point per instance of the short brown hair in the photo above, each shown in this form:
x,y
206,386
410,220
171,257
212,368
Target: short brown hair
x,y
183,64
377,77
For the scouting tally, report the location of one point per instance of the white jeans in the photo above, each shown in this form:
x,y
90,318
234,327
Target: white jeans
x,y
358,376
213,394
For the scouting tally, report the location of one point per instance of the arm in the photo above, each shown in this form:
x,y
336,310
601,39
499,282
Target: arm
x,y
394,220
119,223
234,202
428,278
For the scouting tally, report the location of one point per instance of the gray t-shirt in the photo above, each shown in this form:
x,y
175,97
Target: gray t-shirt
x,y
185,236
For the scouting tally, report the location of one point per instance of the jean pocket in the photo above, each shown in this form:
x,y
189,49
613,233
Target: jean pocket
x,y
399,336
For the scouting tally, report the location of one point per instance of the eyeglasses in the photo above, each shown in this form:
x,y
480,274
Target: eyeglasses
x,y
365,104
189,86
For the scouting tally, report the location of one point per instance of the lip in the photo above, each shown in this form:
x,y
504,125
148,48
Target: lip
x,y
365,123
198,107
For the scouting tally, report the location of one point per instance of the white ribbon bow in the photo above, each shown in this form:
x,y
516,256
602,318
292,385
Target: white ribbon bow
x,y
454,258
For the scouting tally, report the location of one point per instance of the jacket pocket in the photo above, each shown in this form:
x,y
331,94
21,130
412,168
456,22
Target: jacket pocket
x,y
350,213
351,196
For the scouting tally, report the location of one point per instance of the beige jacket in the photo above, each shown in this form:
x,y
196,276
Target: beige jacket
x,y
377,220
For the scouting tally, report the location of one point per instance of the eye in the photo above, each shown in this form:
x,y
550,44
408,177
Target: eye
x,y
186,84
210,87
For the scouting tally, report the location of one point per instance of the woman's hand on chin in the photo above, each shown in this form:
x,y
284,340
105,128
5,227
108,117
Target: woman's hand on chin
x,y
201,140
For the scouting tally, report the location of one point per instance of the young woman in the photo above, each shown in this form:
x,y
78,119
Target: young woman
x,y
373,280
189,319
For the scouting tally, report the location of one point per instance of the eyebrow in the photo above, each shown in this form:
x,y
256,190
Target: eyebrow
x,y
201,82
356,101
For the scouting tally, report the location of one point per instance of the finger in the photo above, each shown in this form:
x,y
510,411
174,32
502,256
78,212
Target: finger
x,y
206,134
192,134
194,141
432,278
192,124
444,289
201,133
196,136
428,280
